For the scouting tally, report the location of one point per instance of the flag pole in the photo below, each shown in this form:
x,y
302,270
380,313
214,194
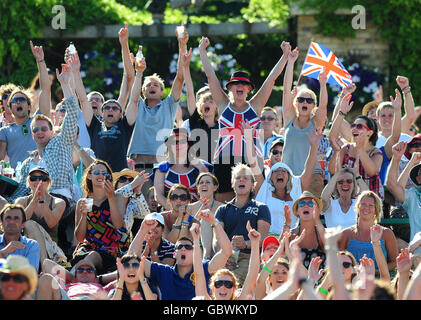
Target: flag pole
x,y
308,50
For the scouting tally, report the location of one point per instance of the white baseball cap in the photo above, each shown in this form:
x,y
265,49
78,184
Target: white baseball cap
x,y
155,216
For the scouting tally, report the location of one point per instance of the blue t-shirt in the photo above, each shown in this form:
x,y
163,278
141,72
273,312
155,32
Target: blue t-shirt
x,y
19,141
412,206
235,219
31,250
152,126
171,285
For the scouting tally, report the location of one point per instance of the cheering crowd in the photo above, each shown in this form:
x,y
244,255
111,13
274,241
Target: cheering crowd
x,y
127,199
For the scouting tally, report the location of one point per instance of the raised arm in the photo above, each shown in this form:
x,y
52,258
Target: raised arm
x,y
288,109
259,100
219,96
321,112
376,233
159,190
344,108
252,158
177,84
200,286
128,73
328,190
410,116
396,126
44,80
86,107
345,127
132,106
191,100
403,265
220,258
392,184
311,161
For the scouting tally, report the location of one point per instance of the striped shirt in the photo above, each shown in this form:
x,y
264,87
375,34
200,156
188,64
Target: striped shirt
x,y
166,249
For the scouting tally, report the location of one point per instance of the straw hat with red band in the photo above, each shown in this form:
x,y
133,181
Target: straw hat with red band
x,y
176,132
269,240
415,139
239,76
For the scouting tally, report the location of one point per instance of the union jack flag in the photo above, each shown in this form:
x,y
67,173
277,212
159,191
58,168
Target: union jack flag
x,y
318,58
187,179
231,135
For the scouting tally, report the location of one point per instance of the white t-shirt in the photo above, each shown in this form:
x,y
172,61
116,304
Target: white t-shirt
x,y
381,140
334,216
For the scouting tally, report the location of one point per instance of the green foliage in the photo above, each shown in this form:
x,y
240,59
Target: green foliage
x,y
273,11
398,22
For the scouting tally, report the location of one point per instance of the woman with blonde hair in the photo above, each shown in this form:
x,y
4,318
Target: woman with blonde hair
x,y
358,239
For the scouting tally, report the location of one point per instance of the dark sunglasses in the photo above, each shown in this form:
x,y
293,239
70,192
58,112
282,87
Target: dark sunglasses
x,y
346,265
187,246
25,129
81,270
415,145
226,283
359,126
182,197
5,96
349,181
97,173
36,178
302,203
275,152
308,100
134,265
18,99
106,108
125,179
267,118
43,129
18,278
241,82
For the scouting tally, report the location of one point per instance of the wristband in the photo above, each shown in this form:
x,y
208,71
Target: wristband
x,y
176,227
267,269
375,243
215,224
342,113
359,177
324,291
41,61
185,223
142,281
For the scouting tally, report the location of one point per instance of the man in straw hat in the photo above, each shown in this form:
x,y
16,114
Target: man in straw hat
x,y
410,198
18,278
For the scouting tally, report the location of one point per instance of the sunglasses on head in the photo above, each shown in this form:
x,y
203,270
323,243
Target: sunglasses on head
x,y
182,197
267,118
187,246
81,270
349,181
43,129
276,152
134,265
308,100
226,283
36,178
115,108
5,96
18,99
125,179
302,203
346,265
359,126
18,278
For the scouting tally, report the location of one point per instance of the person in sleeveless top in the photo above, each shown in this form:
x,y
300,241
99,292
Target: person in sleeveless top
x,y
100,231
357,239
300,115
234,108
42,210
180,168
307,208
364,132
339,197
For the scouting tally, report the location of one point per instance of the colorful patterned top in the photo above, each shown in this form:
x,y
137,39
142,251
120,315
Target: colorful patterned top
x,y
373,182
231,137
101,235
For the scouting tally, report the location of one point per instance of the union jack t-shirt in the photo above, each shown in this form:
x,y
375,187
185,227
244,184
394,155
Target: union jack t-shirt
x,y
231,136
